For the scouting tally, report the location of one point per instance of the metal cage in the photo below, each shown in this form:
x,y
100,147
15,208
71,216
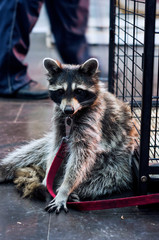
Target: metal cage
x,y
134,77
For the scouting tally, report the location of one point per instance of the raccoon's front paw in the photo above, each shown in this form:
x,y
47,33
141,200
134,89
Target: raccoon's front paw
x,y
57,205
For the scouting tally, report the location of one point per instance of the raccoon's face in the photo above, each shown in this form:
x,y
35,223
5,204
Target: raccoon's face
x,y
72,87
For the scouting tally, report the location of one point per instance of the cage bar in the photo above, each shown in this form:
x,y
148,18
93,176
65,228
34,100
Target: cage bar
x,y
134,78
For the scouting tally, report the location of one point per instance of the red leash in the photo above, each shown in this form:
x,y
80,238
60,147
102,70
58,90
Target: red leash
x,y
99,204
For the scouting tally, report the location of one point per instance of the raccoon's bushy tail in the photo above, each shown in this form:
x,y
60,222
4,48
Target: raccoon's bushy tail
x,y
34,153
28,181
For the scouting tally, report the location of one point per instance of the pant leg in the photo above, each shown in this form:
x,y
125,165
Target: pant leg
x,y
68,19
17,18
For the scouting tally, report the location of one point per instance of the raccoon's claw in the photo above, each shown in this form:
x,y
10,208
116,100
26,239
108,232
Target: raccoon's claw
x,y
56,206
73,197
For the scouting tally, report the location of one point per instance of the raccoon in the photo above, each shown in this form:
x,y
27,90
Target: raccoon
x,y
101,141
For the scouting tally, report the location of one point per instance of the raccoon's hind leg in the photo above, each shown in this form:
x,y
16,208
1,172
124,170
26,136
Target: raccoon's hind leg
x,y
105,179
73,197
36,152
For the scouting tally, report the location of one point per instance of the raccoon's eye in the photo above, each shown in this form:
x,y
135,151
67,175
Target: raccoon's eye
x,y
79,91
61,91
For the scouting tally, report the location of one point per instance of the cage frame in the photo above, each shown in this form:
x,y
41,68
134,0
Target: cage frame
x,y
140,162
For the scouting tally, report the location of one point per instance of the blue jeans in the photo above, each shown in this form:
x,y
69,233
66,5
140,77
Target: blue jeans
x,y
68,19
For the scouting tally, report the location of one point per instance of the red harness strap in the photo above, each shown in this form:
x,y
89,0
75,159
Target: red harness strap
x,y
99,204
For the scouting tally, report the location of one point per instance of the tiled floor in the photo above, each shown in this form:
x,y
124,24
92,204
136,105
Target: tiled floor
x,y
20,219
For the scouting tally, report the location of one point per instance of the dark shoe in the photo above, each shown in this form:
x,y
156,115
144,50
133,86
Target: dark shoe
x,y
33,91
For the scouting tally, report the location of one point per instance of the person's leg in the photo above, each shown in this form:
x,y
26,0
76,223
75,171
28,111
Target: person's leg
x,y
17,18
68,21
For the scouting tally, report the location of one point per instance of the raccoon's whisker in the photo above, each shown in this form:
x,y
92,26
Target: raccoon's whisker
x,y
88,101
76,110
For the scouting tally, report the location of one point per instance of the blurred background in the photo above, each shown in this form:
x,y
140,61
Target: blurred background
x,y
97,37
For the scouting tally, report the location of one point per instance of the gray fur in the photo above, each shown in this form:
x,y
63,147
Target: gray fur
x,y
101,144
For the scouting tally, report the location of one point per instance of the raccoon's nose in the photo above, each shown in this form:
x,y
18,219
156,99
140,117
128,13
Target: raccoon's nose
x,y
69,109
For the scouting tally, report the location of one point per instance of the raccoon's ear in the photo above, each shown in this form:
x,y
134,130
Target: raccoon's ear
x,y
90,66
52,66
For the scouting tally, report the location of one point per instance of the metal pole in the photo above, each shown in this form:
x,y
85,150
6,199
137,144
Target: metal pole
x,y
150,14
111,45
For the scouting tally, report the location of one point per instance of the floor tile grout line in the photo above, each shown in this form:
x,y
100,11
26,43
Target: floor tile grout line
x,y
20,110
48,233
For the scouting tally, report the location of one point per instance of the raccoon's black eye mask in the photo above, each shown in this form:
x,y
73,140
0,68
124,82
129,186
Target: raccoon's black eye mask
x,y
84,97
57,95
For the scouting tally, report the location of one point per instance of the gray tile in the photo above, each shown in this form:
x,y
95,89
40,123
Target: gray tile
x,y
21,219
13,135
9,111
116,224
39,111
